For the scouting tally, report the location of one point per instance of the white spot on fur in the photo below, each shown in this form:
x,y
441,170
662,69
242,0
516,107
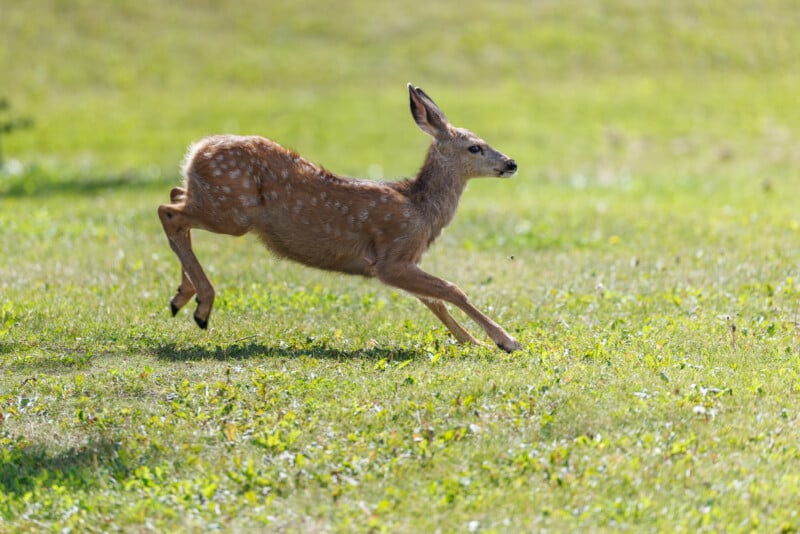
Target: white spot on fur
x,y
285,173
240,217
248,200
313,201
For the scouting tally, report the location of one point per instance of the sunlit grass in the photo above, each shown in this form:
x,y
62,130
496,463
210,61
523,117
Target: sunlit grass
x,y
645,256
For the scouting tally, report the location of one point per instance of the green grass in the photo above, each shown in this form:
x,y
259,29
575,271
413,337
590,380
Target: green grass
x,y
645,256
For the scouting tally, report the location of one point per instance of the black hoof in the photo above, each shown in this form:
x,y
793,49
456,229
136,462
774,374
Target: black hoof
x,y
507,349
512,348
174,309
202,323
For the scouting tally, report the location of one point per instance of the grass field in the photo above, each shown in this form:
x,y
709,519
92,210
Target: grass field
x,y
645,256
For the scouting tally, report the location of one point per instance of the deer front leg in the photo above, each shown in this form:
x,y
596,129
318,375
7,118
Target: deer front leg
x,y
176,225
439,309
411,278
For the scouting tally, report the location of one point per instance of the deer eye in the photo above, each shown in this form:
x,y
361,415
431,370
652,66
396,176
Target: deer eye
x,y
475,149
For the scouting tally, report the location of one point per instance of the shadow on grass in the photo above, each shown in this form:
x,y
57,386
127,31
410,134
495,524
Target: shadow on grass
x,y
26,467
246,351
41,184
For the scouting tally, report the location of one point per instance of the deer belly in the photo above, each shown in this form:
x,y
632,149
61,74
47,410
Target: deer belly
x,y
313,247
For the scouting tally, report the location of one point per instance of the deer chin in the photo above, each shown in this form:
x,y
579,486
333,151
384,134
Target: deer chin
x,y
505,174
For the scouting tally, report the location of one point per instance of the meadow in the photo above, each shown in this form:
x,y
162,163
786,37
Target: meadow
x,y
645,256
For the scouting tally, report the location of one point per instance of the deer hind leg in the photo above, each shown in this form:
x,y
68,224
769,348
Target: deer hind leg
x,y
186,290
177,194
439,309
177,224
411,278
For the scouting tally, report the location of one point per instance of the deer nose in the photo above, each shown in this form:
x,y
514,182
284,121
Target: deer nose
x,y
512,165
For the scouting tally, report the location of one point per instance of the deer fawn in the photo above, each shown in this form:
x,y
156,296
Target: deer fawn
x,y
235,185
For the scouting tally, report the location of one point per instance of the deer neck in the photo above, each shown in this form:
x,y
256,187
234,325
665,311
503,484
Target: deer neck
x,y
437,189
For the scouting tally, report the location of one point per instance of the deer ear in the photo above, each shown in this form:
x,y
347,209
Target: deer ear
x,y
426,113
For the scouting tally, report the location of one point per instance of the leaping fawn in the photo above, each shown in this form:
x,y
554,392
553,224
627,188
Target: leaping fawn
x,y
235,185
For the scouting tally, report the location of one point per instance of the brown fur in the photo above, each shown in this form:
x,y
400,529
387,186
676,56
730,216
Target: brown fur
x,y
235,185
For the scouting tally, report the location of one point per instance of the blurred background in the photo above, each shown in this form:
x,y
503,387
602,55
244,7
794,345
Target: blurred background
x,y
645,254
580,92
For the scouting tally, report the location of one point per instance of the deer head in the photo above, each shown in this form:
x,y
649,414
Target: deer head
x,y
459,147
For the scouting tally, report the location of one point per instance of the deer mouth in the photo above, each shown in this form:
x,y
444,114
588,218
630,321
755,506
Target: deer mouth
x,y
509,171
505,173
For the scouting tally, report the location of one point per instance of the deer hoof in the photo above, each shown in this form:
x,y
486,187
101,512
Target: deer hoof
x,y
510,346
202,323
